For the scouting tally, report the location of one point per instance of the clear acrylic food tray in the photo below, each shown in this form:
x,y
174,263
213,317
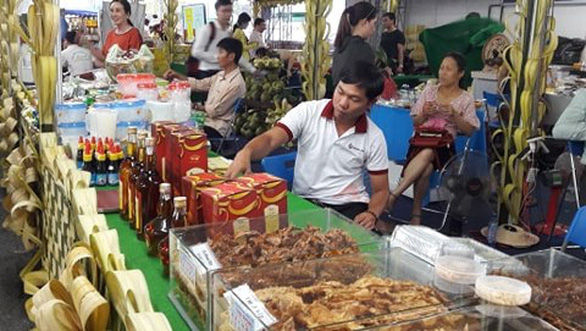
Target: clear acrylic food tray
x,y
558,282
479,317
190,270
272,284
482,252
419,240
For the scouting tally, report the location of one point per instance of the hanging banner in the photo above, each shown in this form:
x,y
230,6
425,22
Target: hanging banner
x,y
194,17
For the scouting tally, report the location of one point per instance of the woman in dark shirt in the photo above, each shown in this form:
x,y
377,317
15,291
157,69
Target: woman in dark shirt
x,y
356,25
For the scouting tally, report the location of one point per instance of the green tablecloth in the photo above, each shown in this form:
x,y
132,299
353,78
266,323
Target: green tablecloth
x,y
135,252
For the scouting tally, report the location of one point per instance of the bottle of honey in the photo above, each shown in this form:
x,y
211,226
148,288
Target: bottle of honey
x,y
125,168
158,228
133,179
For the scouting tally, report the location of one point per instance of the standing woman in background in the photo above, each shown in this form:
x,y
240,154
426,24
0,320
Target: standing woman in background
x,y
124,34
238,33
356,25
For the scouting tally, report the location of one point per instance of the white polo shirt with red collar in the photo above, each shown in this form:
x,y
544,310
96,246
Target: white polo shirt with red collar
x,y
329,168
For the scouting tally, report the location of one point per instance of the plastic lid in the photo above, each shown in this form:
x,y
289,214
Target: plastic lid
x,y
71,125
71,106
135,124
179,85
147,85
502,290
129,103
459,270
103,105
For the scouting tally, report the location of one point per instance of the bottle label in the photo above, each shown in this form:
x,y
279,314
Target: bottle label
x,y
241,225
113,179
93,179
130,203
138,212
101,179
121,191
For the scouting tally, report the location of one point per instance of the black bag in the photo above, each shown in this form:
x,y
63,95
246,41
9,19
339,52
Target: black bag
x,y
192,63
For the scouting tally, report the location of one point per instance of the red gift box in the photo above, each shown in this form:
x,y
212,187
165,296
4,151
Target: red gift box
x,y
191,187
273,196
188,156
161,132
232,201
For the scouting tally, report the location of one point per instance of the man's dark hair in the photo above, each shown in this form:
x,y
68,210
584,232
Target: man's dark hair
x,y
258,21
233,46
70,36
365,75
390,16
262,52
220,3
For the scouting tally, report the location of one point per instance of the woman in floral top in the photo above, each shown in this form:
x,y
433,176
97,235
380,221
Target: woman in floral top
x,y
441,112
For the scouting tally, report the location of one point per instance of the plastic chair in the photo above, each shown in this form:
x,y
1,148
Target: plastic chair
x,y
397,127
282,166
577,231
493,100
231,135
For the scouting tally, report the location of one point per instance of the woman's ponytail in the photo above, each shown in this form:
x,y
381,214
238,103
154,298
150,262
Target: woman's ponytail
x,y
350,18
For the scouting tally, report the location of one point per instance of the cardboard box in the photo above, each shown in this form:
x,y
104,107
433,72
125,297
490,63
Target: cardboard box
x,y
191,187
273,196
232,201
188,156
160,131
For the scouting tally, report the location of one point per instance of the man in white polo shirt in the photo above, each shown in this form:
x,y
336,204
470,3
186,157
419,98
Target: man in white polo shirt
x,y
336,142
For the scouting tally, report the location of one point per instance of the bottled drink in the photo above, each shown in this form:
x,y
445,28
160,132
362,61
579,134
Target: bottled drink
x,y
80,150
133,179
125,168
493,226
113,166
146,190
101,168
88,164
178,220
158,228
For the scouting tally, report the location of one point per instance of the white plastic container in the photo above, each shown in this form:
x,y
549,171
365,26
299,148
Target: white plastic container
x,y
128,83
74,129
502,290
70,112
101,122
180,95
160,111
122,128
131,110
147,92
459,270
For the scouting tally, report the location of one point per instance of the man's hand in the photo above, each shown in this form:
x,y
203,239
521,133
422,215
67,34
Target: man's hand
x,y
170,75
366,220
240,165
400,69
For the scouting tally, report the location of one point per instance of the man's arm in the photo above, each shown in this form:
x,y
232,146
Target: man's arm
x,y
572,123
400,56
378,200
202,85
255,150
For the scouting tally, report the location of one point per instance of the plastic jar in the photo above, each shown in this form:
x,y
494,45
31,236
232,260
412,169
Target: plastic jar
x,y
70,112
131,111
180,95
148,92
72,129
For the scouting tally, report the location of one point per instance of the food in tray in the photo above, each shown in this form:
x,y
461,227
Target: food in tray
x,y
369,301
284,245
504,291
559,301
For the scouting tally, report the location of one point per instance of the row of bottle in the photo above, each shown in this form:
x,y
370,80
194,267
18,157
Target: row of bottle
x,y
100,159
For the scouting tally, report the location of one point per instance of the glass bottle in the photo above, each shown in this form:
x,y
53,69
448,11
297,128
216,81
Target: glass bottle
x,y
88,164
101,168
113,166
158,228
178,220
133,178
80,149
146,190
125,168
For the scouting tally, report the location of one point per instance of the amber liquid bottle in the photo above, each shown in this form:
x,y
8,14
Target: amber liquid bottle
x,y
178,220
147,197
125,168
158,228
133,179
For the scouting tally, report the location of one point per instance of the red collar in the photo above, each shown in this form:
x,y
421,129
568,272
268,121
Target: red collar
x,y
360,124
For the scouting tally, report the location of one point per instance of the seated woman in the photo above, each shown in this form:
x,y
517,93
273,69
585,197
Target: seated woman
x,y
441,112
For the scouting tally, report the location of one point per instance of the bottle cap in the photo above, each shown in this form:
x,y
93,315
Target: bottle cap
x,y
80,141
180,201
165,188
132,130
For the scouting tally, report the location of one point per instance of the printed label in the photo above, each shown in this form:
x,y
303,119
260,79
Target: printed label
x,y
206,258
271,218
241,225
113,179
138,212
101,179
187,266
247,312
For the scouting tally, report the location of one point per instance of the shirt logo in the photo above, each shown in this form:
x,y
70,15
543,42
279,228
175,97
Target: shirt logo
x,y
352,147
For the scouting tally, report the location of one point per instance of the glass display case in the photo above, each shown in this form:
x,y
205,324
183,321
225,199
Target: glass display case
x,y
348,292
198,250
558,283
476,318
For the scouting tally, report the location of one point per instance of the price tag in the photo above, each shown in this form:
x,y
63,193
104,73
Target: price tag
x,y
187,265
206,257
247,312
